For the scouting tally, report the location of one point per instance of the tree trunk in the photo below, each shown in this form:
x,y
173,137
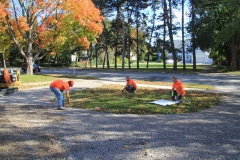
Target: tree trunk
x,y
91,53
152,29
183,42
115,56
138,55
29,63
96,51
128,51
238,59
128,44
104,60
234,50
169,24
117,37
193,37
123,43
3,60
164,33
116,47
106,57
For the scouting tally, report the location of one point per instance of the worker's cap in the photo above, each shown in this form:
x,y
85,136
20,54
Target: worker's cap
x,y
71,83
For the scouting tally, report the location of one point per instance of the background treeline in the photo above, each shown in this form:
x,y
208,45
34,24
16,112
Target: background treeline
x,y
141,28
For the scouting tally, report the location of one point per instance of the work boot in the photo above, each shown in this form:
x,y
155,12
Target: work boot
x,y
61,108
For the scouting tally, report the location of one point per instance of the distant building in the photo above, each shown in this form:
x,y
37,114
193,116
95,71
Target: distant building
x,y
201,56
179,56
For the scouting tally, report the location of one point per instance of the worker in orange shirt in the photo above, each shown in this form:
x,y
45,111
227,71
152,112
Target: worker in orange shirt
x,y
177,91
57,87
131,86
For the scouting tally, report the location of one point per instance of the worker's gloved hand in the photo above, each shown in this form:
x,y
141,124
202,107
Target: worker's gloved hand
x,y
179,97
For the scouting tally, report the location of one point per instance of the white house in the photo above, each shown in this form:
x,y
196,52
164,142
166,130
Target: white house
x,y
179,56
201,56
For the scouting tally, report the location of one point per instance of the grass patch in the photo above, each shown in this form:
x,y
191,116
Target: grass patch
x,y
156,65
149,70
235,73
110,99
50,77
70,76
186,85
36,80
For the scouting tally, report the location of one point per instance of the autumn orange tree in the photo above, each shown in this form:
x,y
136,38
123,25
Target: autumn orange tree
x,y
40,26
5,43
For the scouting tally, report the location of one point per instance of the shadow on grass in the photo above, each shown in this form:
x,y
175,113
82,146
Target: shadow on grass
x,y
169,69
148,70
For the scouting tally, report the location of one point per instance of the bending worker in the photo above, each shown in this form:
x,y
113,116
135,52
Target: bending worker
x,y
57,87
177,90
130,86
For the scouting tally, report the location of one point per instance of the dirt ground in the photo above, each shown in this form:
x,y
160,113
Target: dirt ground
x,y
29,132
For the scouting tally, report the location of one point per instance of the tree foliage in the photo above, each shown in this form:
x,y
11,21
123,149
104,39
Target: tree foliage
x,y
217,24
38,25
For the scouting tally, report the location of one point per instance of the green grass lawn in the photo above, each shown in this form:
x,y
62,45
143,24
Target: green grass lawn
x,y
234,73
110,99
154,67
36,80
50,77
158,65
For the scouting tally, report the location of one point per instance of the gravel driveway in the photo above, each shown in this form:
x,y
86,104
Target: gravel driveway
x,y
37,132
210,134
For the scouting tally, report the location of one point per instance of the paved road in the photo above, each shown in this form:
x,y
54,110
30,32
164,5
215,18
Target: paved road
x,y
224,82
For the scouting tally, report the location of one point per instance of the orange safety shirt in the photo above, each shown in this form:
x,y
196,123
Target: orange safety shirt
x,y
178,84
60,84
131,82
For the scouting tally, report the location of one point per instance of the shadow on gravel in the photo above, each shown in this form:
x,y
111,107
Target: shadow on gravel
x,y
35,132
30,132
36,96
209,134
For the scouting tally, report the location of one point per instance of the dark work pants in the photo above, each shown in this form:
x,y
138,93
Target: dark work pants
x,y
130,89
175,96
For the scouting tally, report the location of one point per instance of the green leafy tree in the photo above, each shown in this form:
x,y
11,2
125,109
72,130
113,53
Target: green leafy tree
x,y
218,28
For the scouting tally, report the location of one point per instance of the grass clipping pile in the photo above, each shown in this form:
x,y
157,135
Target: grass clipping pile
x,y
29,132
